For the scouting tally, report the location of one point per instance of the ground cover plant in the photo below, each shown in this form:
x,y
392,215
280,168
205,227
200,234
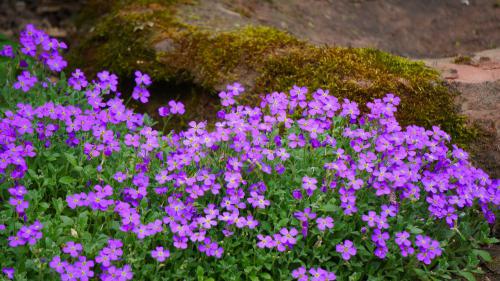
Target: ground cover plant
x,y
301,187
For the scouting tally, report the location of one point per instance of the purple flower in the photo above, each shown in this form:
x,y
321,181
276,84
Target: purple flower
x,y
324,223
120,177
288,236
389,211
176,107
163,111
7,51
380,237
428,249
141,94
309,184
19,204
371,219
297,194
265,241
381,252
280,246
160,254
77,80
25,81
227,98
300,274
72,248
142,79
404,244
180,242
55,62
57,264
305,215
235,88
349,109
9,272
347,249
258,201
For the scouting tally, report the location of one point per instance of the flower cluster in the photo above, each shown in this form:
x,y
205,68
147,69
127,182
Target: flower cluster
x,y
25,81
302,173
37,44
227,97
95,200
17,199
172,109
78,81
140,92
313,274
28,234
428,249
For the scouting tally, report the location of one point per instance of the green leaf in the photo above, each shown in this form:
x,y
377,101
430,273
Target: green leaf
x,y
421,274
58,205
67,180
199,273
66,220
329,208
467,275
491,240
483,254
415,230
354,276
32,174
71,159
266,276
44,206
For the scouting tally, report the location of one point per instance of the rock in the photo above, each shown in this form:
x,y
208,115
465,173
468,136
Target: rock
x,y
209,47
166,45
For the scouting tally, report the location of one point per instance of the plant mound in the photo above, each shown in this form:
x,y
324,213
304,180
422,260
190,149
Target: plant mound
x,y
303,186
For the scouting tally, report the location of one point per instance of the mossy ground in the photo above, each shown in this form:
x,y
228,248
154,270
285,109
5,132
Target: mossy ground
x,y
264,59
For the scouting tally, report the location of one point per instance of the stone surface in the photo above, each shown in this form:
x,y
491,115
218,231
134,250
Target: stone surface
x,y
414,28
478,82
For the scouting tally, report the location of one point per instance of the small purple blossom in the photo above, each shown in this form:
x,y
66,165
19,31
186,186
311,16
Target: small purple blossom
x,y
160,254
346,249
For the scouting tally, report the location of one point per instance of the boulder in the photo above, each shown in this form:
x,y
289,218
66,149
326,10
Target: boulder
x,y
174,44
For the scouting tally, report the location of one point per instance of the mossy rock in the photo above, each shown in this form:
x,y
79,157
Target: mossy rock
x,y
151,37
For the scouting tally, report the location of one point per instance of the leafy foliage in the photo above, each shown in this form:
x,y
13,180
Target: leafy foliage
x,y
302,186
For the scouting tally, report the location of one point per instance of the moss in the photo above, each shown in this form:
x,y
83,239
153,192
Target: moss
x,y
364,74
264,59
214,60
